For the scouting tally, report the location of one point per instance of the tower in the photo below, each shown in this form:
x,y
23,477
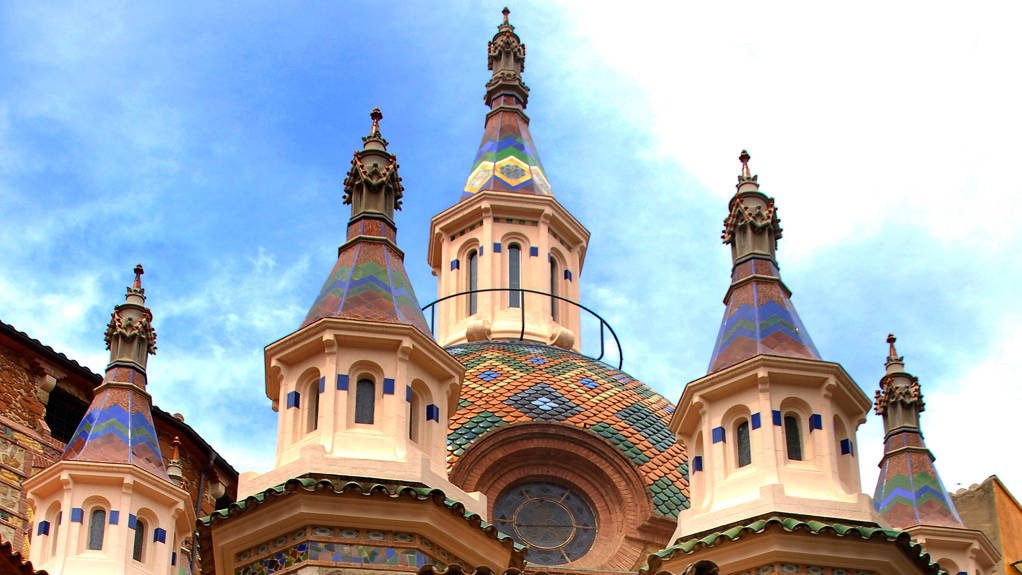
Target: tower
x,y
770,432
508,232
363,395
108,505
909,493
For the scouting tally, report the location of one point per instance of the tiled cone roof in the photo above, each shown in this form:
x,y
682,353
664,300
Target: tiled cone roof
x,y
759,318
368,282
507,160
510,382
118,427
909,490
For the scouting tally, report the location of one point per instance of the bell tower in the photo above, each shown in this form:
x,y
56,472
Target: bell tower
x,y
771,427
108,505
503,251
361,388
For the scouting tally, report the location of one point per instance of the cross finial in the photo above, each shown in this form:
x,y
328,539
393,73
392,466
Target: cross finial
x,y
505,12
890,340
138,277
744,159
376,115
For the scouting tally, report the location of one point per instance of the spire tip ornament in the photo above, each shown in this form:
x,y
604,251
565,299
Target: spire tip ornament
x,y
506,12
376,116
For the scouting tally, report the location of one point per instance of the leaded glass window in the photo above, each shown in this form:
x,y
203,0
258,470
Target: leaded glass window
x,y
365,401
555,523
744,447
97,526
473,281
793,438
138,546
514,275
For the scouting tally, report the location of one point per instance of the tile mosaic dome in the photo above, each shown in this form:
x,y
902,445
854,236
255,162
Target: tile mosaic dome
x,y
512,382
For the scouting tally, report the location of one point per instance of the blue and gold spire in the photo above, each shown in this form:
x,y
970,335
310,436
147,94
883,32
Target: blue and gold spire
x,y
759,318
118,426
507,160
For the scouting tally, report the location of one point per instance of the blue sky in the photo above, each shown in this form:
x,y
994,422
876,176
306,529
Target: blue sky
x,y
210,143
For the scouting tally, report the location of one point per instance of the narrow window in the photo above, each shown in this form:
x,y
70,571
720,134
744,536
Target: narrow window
x,y
553,288
514,275
97,525
365,401
744,448
414,417
139,544
792,438
312,407
54,530
473,282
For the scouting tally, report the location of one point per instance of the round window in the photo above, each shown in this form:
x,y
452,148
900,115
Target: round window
x,y
554,522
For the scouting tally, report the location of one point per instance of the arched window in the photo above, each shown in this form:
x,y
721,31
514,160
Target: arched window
x,y
365,401
97,526
312,407
553,288
54,518
138,547
415,416
473,281
744,445
793,437
514,275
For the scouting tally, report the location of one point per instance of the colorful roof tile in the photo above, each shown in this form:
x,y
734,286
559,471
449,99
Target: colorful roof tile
x,y
12,563
507,160
344,485
759,317
369,281
903,540
505,383
909,490
118,426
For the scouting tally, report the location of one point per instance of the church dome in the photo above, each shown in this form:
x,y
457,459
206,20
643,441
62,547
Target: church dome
x,y
512,383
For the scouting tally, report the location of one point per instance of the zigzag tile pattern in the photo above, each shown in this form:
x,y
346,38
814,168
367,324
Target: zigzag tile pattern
x,y
507,160
909,490
759,319
368,282
510,382
117,428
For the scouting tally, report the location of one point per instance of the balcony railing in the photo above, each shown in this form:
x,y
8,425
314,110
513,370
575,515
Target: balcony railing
x,y
604,326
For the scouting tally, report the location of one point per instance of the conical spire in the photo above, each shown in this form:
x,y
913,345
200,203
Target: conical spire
x,y
759,318
507,160
368,281
118,426
909,490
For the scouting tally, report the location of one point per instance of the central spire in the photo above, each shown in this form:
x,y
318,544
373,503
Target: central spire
x,y
507,160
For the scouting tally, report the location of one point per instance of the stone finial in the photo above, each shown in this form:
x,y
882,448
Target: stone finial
x,y
130,336
376,116
506,13
895,363
174,468
138,277
505,57
744,159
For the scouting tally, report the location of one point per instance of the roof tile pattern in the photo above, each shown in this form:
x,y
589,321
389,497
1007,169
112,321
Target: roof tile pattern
x,y
368,282
511,382
507,160
909,490
118,427
913,550
759,319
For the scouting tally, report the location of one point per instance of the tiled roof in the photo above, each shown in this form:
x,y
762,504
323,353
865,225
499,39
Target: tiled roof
x,y
368,282
364,488
903,540
511,382
507,160
759,318
11,562
44,349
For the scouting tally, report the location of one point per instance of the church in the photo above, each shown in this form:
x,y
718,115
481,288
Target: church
x,y
471,434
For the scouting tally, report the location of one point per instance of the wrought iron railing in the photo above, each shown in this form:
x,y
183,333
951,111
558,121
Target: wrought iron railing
x,y
604,326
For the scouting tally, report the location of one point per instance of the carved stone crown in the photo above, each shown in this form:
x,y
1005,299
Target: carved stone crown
x,y
757,219
900,388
